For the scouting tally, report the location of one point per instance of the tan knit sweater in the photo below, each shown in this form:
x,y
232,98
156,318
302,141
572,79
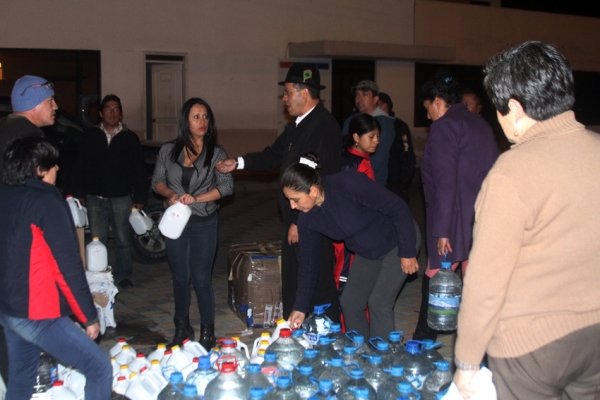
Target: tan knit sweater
x,y
534,269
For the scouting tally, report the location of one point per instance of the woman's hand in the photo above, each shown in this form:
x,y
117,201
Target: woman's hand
x,y
409,265
187,199
296,319
443,246
463,380
293,234
172,198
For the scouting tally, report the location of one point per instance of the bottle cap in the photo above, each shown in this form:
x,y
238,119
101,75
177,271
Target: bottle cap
x,y
133,375
257,393
175,348
140,355
325,384
349,350
190,390
318,310
58,383
161,346
442,365
412,347
124,366
283,381
265,334
96,238
204,362
335,327
305,369
405,387
375,359
176,377
143,369
337,361
397,370
446,265
121,340
280,321
155,362
270,356
285,333
253,368
395,336
310,353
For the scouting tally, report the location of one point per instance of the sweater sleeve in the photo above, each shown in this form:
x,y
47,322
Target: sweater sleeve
x,y
309,242
59,233
160,168
498,233
443,149
224,181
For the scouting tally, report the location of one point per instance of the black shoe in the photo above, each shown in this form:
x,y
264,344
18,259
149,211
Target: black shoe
x,y
183,330
125,283
207,336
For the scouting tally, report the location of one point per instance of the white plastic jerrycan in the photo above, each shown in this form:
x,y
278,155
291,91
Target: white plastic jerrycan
x,y
158,353
194,348
258,342
75,381
141,388
241,346
116,349
79,216
174,220
96,255
61,392
140,222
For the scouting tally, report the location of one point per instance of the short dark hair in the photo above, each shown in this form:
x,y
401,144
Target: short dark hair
x,y
360,124
476,95
442,85
23,157
314,93
536,75
301,177
110,97
184,137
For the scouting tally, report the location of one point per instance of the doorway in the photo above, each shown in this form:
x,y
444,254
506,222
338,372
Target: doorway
x,y
345,75
164,95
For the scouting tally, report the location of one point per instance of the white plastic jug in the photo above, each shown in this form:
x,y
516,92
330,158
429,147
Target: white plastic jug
x,y
258,342
140,222
157,354
79,216
194,348
124,372
115,366
116,349
75,381
174,220
241,346
61,392
281,324
126,355
96,255
178,359
155,376
141,388
121,385
139,363
189,368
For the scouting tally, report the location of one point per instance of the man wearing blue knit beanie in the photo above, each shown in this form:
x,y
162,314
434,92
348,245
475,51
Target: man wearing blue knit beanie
x,y
33,106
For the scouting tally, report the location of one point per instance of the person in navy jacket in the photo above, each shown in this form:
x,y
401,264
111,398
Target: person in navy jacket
x,y
459,153
374,223
42,280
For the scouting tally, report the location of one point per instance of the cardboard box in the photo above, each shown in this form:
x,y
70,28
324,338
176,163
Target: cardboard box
x,y
255,282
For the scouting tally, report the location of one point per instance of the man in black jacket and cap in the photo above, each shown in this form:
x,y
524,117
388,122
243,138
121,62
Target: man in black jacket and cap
x,y
315,130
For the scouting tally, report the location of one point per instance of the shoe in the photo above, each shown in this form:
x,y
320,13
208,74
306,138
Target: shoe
x,y
207,336
183,330
125,283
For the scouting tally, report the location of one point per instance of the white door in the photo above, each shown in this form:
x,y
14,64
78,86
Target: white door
x,y
167,86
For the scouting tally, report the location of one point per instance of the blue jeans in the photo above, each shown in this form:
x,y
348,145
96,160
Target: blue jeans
x,y
114,211
192,256
62,339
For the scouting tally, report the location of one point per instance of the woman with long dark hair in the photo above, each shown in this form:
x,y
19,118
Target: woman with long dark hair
x,y
360,143
374,223
185,172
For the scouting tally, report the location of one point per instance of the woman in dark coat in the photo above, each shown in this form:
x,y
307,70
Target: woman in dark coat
x,y
459,153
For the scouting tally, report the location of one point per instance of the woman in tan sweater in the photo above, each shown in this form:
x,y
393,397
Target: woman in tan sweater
x,y
531,298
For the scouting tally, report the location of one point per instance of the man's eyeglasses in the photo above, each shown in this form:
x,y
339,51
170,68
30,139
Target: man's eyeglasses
x,y
47,85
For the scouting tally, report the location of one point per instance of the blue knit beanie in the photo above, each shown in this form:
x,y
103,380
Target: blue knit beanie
x,y
29,91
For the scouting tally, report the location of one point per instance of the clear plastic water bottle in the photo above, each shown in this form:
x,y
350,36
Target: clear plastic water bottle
x,y
350,356
173,389
395,339
374,373
335,373
357,379
445,290
429,350
438,381
406,390
269,367
389,389
228,384
283,390
47,373
317,324
228,347
416,367
305,384
190,393
310,358
325,391
325,349
203,375
362,393
255,379
300,336
335,332
288,351
358,341
383,349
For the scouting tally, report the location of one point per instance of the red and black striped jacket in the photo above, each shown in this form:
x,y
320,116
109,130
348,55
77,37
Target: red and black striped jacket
x,y
41,272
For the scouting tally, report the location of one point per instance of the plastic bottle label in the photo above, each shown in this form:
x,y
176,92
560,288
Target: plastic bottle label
x,y
313,338
443,305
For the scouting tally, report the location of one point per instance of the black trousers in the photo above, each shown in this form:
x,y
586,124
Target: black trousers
x,y
423,331
325,291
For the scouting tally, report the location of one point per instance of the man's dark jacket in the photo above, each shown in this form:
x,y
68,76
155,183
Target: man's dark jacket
x,y
115,170
14,126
